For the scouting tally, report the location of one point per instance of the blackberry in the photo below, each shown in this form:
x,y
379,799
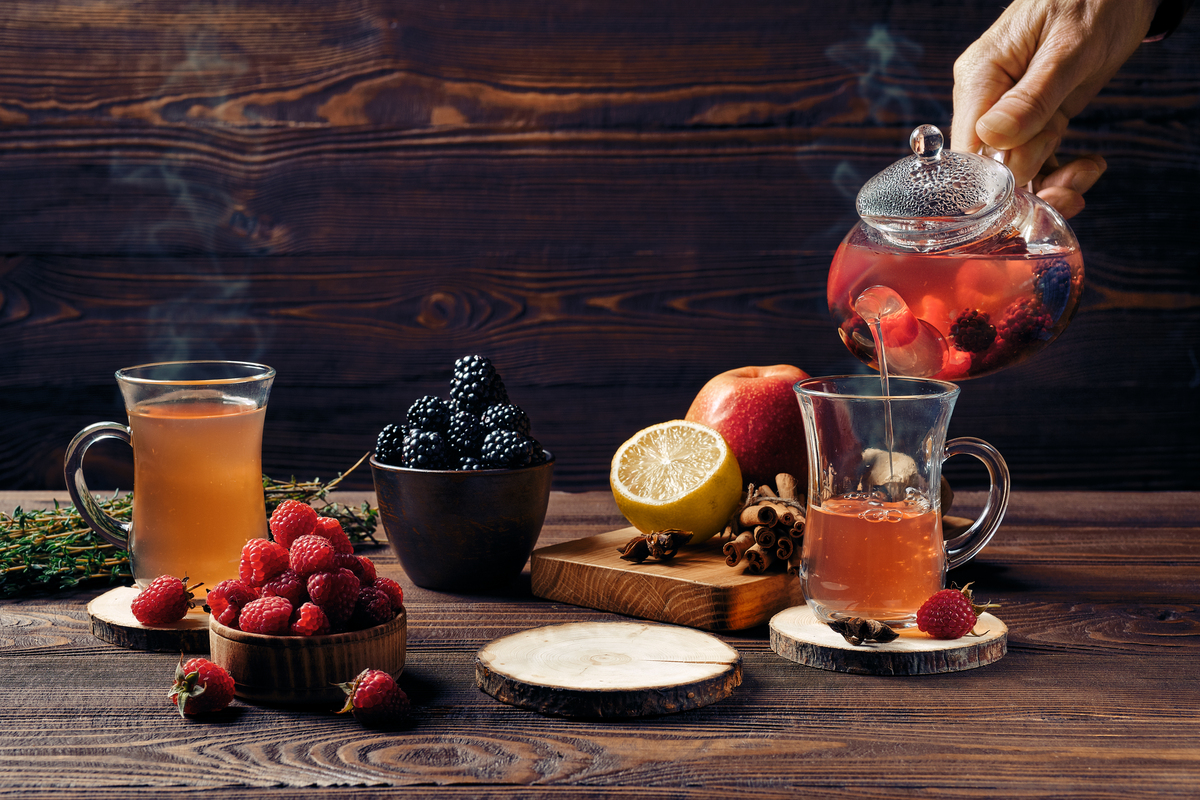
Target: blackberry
x,y
506,416
1052,285
499,393
1023,322
464,434
389,447
538,453
506,449
429,413
424,450
470,463
973,331
473,382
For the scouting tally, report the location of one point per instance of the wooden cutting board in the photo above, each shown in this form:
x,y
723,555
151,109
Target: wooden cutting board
x,y
695,588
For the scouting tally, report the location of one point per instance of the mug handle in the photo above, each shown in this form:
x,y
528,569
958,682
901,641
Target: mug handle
x,y
964,547
110,529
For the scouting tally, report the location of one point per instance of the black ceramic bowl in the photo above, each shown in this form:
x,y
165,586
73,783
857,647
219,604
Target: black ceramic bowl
x,y
463,530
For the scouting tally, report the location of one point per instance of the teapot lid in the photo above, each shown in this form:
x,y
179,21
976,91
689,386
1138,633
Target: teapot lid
x,y
935,198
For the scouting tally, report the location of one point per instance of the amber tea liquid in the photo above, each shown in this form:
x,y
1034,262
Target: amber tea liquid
x,y
198,493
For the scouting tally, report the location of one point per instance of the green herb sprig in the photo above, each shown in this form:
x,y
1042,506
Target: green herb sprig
x,y
54,549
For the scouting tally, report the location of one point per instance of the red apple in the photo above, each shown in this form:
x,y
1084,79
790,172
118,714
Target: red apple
x,y
756,410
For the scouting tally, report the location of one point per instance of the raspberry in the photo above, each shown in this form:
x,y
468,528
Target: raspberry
x,y
309,620
1023,322
464,434
290,520
367,577
228,616
506,449
389,447
375,699
262,560
393,590
269,615
331,529
973,331
311,554
473,385
231,593
949,614
288,584
336,593
165,600
424,450
429,413
506,416
201,687
372,608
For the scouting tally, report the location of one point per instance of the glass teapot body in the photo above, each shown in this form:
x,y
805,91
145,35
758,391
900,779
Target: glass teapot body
x,y
1003,289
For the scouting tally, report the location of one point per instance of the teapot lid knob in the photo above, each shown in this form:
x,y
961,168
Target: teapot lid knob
x,y
926,142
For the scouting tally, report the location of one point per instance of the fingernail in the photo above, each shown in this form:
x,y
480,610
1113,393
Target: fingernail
x,y
1000,123
1085,179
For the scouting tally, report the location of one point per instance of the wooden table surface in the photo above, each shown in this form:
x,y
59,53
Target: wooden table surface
x,y
1098,696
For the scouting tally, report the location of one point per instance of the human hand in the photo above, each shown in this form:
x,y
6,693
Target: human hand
x,y
1040,64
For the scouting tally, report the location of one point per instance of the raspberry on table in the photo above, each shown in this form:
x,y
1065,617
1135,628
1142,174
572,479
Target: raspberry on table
x,y
428,413
950,613
335,592
311,554
262,560
290,520
331,529
393,590
164,601
228,593
506,416
506,449
201,687
267,615
288,584
973,331
389,446
309,620
375,699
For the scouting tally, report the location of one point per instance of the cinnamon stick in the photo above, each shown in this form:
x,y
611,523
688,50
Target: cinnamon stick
x,y
783,513
758,514
784,548
794,562
786,484
759,559
734,550
765,536
766,491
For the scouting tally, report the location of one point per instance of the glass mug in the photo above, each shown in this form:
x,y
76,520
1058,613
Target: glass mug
x,y
196,431
873,542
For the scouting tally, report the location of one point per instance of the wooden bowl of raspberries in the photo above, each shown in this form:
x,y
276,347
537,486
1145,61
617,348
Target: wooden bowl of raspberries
x,y
304,614
462,485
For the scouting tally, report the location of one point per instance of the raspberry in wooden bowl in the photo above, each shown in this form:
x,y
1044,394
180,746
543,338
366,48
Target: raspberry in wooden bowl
x,y
465,530
305,670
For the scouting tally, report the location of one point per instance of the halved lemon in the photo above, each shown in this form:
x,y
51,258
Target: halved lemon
x,y
676,474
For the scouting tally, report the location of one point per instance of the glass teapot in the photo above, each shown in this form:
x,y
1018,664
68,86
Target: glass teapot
x,y
964,273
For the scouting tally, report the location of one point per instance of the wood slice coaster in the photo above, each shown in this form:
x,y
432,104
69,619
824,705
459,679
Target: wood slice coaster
x,y
797,635
608,669
113,622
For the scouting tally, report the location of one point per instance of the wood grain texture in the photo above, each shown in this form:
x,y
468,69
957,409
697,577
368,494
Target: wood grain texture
x,y
1096,698
608,670
614,200
695,588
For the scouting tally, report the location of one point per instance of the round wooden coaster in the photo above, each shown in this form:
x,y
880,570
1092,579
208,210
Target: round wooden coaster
x,y
608,669
113,622
797,635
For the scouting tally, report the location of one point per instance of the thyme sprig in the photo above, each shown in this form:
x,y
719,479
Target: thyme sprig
x,y
54,549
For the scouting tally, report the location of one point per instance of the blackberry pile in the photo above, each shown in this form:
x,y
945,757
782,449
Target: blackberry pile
x,y
478,428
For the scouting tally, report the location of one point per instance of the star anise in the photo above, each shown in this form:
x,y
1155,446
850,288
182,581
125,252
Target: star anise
x,y
657,544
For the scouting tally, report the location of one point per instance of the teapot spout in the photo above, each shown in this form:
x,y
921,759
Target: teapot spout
x,y
905,344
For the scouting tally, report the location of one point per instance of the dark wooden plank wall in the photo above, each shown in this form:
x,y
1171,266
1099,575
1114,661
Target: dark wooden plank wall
x,y
614,200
